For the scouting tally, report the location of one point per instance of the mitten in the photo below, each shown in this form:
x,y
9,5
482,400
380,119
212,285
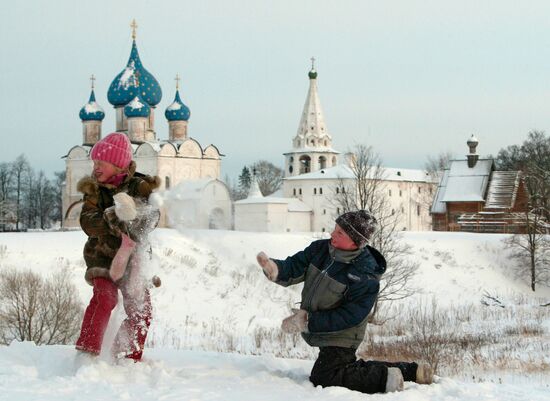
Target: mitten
x,y
295,323
120,261
125,206
269,267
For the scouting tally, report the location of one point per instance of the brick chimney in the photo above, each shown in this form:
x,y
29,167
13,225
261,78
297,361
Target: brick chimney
x,y
472,156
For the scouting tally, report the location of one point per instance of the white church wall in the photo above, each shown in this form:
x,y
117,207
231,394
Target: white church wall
x,y
198,204
251,217
298,222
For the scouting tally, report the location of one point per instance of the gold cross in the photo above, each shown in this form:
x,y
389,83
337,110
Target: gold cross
x,y
312,63
134,26
92,78
177,81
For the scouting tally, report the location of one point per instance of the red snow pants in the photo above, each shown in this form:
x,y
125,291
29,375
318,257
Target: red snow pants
x,y
130,339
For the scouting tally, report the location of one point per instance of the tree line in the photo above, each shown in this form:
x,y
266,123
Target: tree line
x,y
28,198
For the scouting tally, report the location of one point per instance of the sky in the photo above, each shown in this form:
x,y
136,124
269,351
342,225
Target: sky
x,y
411,78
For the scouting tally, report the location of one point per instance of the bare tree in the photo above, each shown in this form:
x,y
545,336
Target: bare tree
x,y
531,157
46,311
6,180
435,165
367,191
533,246
20,168
268,176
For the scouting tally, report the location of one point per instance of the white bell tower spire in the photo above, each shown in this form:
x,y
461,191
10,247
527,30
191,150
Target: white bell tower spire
x,y
312,145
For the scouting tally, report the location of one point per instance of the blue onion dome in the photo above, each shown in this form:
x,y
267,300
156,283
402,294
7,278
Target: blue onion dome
x,y
177,111
132,81
91,111
137,108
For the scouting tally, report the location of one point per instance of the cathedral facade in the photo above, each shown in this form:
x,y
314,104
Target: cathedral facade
x,y
135,95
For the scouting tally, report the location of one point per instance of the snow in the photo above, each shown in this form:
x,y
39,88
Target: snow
x,y
174,106
135,104
127,78
28,373
342,171
463,183
92,107
203,343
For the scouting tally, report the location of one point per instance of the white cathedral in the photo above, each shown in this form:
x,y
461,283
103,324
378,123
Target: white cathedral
x,y
314,171
190,174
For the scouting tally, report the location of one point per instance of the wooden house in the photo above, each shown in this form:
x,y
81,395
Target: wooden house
x,y
473,196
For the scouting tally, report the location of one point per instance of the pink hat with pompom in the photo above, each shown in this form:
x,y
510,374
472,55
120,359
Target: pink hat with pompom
x,y
115,148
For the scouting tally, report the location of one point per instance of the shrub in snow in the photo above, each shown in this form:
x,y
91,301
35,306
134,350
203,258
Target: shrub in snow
x,y
33,308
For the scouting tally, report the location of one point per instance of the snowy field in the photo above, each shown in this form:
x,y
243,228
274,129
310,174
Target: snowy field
x,y
215,333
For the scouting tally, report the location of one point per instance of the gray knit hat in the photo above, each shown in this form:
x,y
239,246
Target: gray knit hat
x,y
359,225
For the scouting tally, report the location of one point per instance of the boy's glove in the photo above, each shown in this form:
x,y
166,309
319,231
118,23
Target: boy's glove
x,y
295,323
125,206
269,267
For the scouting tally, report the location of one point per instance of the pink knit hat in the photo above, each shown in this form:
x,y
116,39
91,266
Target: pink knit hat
x,y
115,148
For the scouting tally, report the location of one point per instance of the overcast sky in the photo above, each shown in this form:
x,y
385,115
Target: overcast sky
x,y
411,78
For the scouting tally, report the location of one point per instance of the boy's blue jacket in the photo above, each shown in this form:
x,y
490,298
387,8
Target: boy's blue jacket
x,y
340,289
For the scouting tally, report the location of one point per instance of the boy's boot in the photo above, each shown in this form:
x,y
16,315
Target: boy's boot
x,y
394,382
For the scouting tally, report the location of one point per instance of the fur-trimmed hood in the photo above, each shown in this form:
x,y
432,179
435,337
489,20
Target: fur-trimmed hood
x,y
145,183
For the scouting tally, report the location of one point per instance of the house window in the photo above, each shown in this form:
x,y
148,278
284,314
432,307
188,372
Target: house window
x,y
314,191
294,191
343,190
337,190
320,191
324,211
402,209
392,212
300,191
418,210
323,229
400,193
419,190
338,210
167,182
389,192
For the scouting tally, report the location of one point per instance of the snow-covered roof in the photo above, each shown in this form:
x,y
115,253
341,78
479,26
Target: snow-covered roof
x,y
189,189
438,206
311,149
342,171
466,184
503,189
336,172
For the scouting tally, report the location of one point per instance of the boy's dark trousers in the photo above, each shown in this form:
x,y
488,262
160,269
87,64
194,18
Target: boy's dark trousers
x,y
337,366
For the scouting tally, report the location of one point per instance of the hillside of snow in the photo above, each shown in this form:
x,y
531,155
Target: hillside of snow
x,y
216,335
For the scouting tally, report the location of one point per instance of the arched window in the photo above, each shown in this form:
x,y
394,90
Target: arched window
x,y
322,162
305,164
167,182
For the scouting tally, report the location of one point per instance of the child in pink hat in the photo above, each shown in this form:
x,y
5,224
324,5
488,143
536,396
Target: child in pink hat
x,y
116,232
